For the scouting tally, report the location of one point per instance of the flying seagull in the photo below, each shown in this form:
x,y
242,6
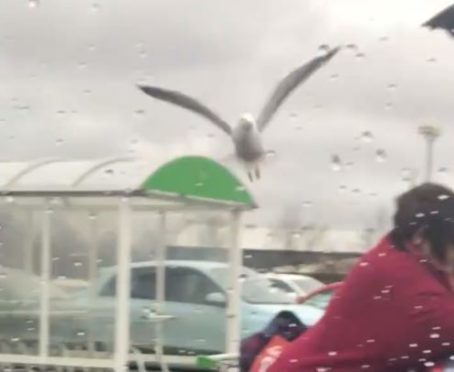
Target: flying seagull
x,y
246,135
443,20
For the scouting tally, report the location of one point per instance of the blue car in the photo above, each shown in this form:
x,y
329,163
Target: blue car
x,y
195,305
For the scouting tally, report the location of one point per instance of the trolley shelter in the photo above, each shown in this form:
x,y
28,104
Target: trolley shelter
x,y
51,205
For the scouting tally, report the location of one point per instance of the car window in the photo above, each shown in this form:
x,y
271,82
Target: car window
x,y
281,285
188,286
143,284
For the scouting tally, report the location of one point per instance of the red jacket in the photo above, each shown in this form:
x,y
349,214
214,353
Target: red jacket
x,y
393,313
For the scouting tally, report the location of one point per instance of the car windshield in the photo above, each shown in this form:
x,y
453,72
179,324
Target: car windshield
x,y
256,289
308,284
320,300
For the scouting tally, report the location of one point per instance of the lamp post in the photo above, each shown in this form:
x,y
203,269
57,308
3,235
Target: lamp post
x,y
430,134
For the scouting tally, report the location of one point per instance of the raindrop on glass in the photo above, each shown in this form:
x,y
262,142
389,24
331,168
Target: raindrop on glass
x,y
91,47
324,48
334,76
431,60
389,106
435,335
383,38
109,171
332,353
392,87
367,136
270,154
336,163
360,56
77,264
95,7
307,204
82,66
380,156
342,188
352,46
59,141
442,170
32,4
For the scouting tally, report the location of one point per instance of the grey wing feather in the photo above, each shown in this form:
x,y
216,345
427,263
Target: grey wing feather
x,y
290,83
443,20
188,103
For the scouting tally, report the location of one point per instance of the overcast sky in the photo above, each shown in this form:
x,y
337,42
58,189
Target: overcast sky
x,y
68,71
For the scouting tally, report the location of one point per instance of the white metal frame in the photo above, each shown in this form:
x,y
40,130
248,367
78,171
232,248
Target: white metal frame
x,y
123,200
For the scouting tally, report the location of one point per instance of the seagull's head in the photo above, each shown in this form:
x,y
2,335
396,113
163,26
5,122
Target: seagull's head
x,y
247,122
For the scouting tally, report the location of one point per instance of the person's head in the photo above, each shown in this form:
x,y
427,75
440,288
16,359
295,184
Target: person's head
x,y
424,220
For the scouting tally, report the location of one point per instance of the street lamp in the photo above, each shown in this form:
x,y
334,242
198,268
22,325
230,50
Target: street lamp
x,y
430,134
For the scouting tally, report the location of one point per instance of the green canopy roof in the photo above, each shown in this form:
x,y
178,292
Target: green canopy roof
x,y
198,177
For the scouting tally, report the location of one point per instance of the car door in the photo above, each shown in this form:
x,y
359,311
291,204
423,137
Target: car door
x,y
198,325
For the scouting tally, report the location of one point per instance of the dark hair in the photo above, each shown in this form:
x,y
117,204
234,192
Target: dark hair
x,y
427,209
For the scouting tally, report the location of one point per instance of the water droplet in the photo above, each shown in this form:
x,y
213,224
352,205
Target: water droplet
x,y
91,47
431,60
92,216
143,54
392,87
336,163
429,364
240,188
349,165
389,106
324,48
270,154
81,333
15,339
307,204
293,115
367,136
334,76
109,171
332,353
82,66
414,345
9,199
342,188
442,170
352,46
32,4
77,264
139,112
87,91
380,156
59,141
55,259
446,344
427,351
360,56
383,38
364,264
95,7
435,335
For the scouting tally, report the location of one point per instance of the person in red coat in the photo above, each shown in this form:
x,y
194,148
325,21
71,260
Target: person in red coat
x,y
395,310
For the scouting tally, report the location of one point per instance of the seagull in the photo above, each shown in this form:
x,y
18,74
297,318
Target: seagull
x,y
246,135
443,20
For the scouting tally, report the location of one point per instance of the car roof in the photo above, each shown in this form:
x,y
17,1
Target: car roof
x,y
289,276
200,265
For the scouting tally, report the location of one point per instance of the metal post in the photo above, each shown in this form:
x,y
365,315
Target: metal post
x,y
29,247
233,331
92,275
430,134
45,277
161,255
123,286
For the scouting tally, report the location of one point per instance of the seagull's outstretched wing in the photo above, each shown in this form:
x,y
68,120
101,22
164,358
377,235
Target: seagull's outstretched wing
x,y
443,20
186,102
289,83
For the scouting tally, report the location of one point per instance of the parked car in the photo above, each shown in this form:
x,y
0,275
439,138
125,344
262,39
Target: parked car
x,y
321,297
294,285
195,294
